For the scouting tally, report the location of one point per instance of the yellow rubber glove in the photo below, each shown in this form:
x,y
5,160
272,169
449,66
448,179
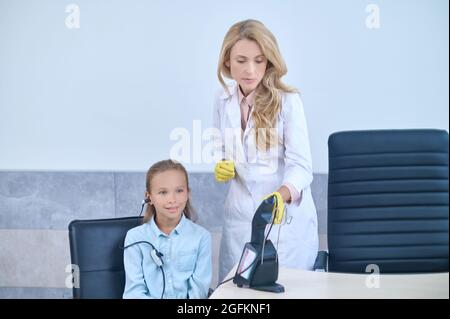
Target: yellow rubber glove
x,y
224,171
278,209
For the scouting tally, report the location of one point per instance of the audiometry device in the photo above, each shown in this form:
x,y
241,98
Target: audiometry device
x,y
258,266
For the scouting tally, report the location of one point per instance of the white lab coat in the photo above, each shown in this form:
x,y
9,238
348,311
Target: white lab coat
x,y
259,173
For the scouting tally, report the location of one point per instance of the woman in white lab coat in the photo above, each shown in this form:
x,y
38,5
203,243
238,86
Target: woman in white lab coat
x,y
264,146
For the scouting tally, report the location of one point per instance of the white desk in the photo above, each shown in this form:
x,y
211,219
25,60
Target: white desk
x,y
308,284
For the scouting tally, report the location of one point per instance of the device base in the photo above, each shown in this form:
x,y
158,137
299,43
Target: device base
x,y
276,288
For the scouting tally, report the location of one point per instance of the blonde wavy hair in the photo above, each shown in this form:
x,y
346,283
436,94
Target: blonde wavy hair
x,y
163,166
267,103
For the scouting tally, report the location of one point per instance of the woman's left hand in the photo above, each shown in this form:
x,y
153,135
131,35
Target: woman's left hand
x,y
279,212
285,194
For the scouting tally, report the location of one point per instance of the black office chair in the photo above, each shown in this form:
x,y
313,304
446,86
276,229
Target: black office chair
x,y
387,201
96,247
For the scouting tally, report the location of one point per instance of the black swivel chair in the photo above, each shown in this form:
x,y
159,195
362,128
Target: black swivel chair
x,y
96,248
388,201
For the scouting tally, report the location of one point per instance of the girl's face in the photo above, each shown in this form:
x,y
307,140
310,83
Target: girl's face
x,y
169,194
247,64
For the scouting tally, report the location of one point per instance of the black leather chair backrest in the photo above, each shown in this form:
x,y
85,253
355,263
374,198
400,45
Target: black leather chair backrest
x,y
96,247
388,201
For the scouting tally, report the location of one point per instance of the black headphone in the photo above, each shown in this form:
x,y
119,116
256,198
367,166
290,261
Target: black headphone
x,y
157,258
155,254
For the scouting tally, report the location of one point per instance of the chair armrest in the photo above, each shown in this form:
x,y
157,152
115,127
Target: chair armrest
x,y
321,261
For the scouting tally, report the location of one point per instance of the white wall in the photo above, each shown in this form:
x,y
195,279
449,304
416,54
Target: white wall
x,y
107,95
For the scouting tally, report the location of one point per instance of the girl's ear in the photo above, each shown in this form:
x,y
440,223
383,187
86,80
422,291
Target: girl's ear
x,y
147,197
227,63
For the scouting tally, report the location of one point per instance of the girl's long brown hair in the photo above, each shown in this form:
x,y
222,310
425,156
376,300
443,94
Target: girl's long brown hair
x,y
163,166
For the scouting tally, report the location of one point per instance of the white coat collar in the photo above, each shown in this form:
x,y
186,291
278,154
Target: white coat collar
x,y
232,109
233,121
232,88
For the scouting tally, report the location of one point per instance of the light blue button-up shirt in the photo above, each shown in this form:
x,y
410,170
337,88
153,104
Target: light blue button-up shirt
x,y
186,257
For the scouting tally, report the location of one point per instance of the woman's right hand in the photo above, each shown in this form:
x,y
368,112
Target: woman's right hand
x,y
224,171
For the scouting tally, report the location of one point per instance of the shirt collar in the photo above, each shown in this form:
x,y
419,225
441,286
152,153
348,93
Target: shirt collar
x,y
249,97
178,229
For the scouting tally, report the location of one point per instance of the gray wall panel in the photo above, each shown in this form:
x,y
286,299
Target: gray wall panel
x,y
36,208
50,200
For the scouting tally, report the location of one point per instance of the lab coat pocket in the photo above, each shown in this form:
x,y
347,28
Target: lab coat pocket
x,y
186,261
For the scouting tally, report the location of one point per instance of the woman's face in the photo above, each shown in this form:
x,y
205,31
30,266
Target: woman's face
x,y
247,64
169,194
